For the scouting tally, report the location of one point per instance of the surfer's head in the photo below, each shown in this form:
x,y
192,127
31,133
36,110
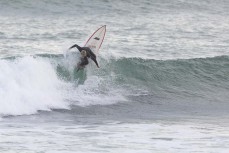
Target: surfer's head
x,y
83,53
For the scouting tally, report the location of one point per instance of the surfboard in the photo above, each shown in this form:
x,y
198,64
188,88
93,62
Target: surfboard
x,y
96,39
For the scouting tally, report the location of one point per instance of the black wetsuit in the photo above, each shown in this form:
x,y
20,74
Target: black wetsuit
x,y
84,61
82,64
90,54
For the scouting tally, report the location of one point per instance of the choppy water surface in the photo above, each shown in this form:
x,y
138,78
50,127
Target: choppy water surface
x,y
162,86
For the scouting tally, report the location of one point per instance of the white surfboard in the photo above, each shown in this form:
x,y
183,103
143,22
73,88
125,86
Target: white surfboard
x,y
96,39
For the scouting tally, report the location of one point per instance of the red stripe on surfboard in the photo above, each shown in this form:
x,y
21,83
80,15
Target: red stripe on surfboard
x,y
94,34
103,36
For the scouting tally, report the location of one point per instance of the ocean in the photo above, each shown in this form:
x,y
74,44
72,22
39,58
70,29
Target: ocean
x,y
162,85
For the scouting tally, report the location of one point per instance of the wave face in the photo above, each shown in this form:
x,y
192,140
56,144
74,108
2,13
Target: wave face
x,y
187,76
46,82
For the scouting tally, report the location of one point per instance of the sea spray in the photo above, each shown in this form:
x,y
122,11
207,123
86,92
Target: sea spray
x,y
29,84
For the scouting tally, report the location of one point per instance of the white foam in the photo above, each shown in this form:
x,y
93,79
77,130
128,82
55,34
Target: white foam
x,y
96,91
27,85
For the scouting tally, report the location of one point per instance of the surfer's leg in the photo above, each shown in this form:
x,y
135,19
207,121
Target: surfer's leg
x,y
79,67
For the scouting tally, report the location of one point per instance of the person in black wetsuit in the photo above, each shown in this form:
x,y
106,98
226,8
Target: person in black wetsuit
x,y
83,62
89,54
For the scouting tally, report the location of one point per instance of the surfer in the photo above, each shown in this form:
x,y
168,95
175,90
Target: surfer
x,y
86,53
83,62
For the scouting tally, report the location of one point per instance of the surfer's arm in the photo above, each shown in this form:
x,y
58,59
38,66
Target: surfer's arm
x,y
94,59
78,47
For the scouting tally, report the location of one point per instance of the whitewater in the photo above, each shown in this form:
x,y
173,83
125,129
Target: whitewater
x,y
162,85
